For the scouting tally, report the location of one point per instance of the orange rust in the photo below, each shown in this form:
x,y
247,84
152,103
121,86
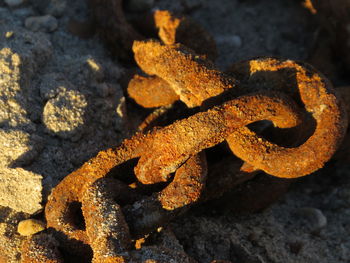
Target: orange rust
x,y
106,226
70,189
162,153
320,100
192,77
197,82
174,144
308,5
175,148
153,91
150,92
180,29
188,184
139,242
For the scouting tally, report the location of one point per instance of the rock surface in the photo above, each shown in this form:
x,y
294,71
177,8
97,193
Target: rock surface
x,y
21,190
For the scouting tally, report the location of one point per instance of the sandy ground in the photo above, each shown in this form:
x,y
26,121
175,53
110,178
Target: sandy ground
x,y
62,100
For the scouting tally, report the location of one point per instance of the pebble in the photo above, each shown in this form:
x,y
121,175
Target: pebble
x,y
46,23
236,41
317,220
9,34
30,227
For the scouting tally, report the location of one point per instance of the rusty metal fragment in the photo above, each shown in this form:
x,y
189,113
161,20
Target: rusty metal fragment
x,y
108,230
152,212
192,77
161,154
174,144
180,29
287,93
172,29
321,102
187,185
151,92
196,82
68,192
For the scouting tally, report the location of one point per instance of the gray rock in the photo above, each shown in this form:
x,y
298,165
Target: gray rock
x,y
236,41
46,23
317,220
64,115
20,190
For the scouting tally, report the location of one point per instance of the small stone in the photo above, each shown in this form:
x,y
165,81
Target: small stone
x,y
30,227
140,5
45,23
236,41
64,115
317,220
9,34
13,2
95,68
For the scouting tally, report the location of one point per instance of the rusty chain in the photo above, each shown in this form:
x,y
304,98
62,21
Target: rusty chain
x,y
116,213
